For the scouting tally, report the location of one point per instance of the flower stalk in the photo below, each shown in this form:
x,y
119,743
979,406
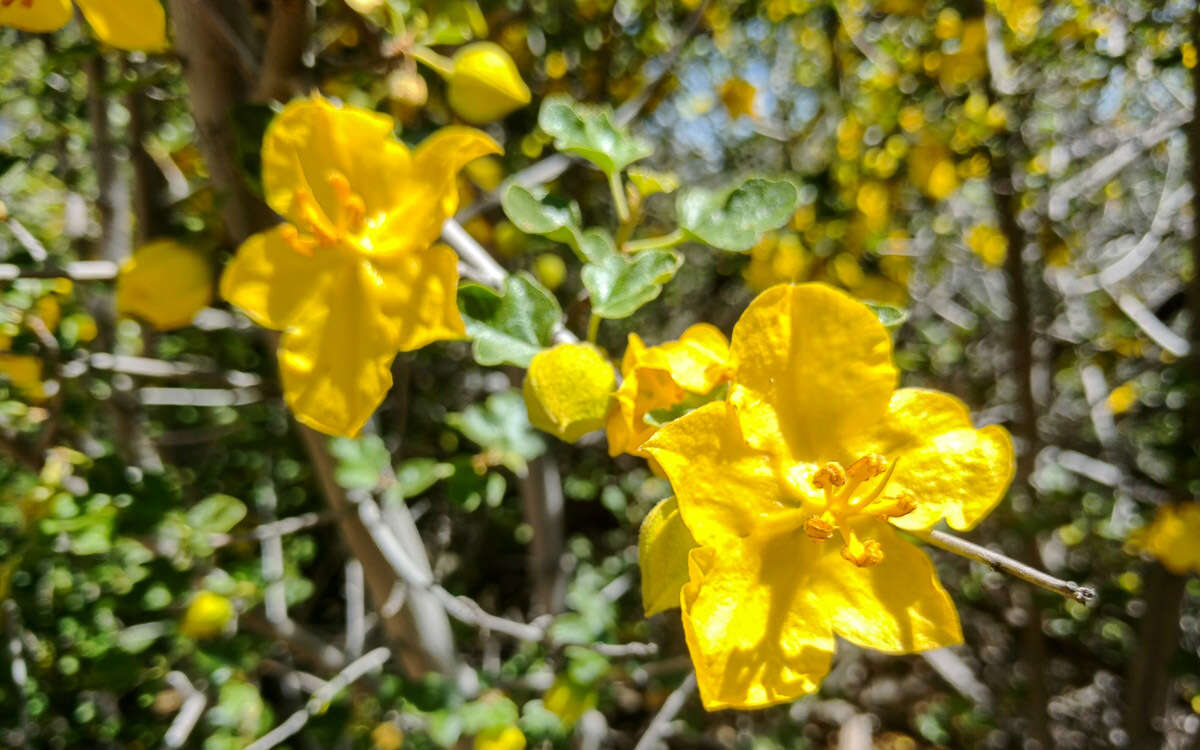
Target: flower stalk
x,y
1004,564
654,243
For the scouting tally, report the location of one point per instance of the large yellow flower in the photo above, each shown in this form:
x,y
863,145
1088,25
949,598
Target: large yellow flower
x,y
1171,538
125,24
662,377
793,489
353,276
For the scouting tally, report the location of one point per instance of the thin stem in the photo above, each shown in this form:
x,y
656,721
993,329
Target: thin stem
x,y
440,64
654,243
617,186
1005,564
661,724
593,328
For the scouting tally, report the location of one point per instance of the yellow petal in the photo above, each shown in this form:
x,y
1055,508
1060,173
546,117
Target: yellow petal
x,y
126,24
165,284
1171,538
271,282
206,616
949,468
312,140
699,360
755,638
897,606
41,16
431,195
485,84
567,390
418,292
725,488
568,700
813,367
663,547
645,390
335,361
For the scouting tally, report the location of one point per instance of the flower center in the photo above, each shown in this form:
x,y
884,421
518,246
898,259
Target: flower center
x,y
313,229
850,492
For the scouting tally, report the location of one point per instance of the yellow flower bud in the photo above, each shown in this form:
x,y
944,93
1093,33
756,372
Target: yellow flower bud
x,y
207,616
387,736
485,84
164,283
500,738
550,270
567,390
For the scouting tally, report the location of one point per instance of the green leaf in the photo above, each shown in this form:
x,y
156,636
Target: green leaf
x,y
591,132
545,216
620,284
585,666
216,514
509,328
691,402
456,22
490,712
735,218
361,461
649,182
500,425
416,475
891,317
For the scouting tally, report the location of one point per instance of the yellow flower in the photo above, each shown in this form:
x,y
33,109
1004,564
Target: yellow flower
x,y
793,489
353,276
206,616
777,259
567,390
661,377
484,84
989,243
165,284
500,738
24,373
738,97
125,24
1171,538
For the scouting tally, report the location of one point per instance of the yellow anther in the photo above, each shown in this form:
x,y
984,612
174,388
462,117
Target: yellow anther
x,y
311,218
291,236
819,528
893,507
828,476
340,185
353,213
863,554
867,467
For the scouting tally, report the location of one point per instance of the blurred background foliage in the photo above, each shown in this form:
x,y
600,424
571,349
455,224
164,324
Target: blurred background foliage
x,y
1016,175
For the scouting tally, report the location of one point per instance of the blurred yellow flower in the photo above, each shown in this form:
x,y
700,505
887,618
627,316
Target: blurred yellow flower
x,y
1123,398
206,616
500,738
988,243
931,168
738,97
484,84
777,259
567,390
387,736
125,24
24,372
1171,538
353,276
165,284
793,487
569,701
662,377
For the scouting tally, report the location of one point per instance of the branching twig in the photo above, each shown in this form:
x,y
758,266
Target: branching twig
x,y
1005,564
318,702
661,724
